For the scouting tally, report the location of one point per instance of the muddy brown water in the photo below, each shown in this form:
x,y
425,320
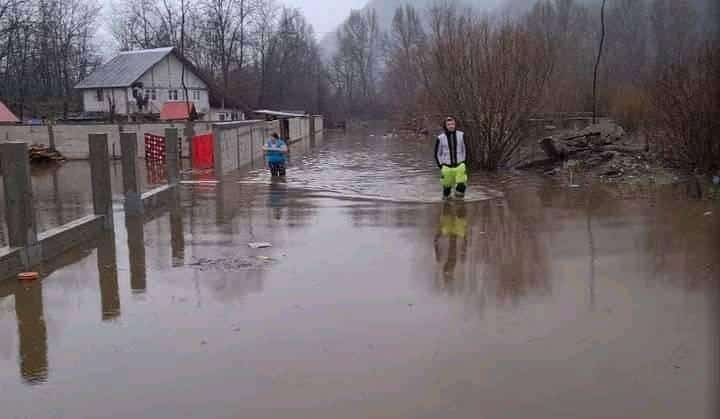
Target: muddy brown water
x,y
531,299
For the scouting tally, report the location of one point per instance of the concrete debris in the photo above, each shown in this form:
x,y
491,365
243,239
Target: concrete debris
x,y
602,150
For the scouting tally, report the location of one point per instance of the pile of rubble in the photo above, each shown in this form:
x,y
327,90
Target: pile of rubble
x,y
40,153
603,150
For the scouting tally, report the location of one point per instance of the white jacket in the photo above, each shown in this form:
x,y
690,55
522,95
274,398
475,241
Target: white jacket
x,y
450,153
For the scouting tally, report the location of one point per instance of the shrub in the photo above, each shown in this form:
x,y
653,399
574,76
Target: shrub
x,y
685,105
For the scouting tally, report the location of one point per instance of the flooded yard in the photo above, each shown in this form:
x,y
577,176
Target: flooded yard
x,y
376,300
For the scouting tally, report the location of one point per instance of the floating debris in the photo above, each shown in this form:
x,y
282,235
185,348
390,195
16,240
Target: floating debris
x,y
232,264
199,182
40,153
259,245
709,213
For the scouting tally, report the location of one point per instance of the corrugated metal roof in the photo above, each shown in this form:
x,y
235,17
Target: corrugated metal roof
x,y
124,69
6,115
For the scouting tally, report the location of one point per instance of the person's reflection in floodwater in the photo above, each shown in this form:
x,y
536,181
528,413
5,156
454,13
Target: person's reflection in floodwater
x,y
451,240
277,195
136,252
32,332
108,274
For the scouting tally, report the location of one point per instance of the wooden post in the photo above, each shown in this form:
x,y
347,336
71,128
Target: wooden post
x,y
19,208
131,181
100,178
171,155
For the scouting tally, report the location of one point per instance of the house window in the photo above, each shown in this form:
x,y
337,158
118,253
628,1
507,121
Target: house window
x,y
222,116
196,95
172,94
99,95
151,93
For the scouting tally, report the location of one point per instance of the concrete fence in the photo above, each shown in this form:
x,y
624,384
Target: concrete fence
x,y
29,248
71,139
237,144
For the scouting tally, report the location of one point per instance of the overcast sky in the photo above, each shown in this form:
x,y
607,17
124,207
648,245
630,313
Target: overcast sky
x,y
325,15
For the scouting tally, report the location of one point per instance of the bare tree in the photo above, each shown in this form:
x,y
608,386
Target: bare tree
x,y
490,76
597,62
402,73
686,102
355,66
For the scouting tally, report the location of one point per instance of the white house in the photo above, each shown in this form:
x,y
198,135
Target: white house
x,y
159,72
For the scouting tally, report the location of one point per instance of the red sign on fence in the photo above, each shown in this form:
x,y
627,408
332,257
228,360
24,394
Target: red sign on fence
x,y
202,151
154,148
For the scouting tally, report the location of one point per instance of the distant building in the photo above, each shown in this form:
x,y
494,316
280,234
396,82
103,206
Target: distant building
x,y
145,81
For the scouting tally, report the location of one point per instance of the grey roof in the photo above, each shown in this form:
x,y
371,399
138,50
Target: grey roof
x,y
124,69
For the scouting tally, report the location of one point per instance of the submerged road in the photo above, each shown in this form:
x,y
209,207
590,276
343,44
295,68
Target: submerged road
x,y
531,300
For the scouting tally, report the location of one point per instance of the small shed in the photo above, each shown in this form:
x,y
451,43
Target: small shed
x,y
283,117
6,115
178,111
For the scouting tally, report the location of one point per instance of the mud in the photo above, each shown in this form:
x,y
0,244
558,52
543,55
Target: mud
x,y
531,300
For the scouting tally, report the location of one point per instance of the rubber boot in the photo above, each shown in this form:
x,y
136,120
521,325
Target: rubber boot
x,y
446,193
460,190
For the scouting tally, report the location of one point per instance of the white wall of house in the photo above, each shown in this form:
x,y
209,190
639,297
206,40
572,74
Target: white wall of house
x,y
92,102
165,78
163,82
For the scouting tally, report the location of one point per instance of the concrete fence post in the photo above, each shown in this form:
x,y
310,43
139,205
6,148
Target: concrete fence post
x,y
100,177
189,134
131,180
51,135
171,155
217,151
19,208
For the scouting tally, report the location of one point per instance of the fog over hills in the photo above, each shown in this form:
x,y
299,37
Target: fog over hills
x,y
386,10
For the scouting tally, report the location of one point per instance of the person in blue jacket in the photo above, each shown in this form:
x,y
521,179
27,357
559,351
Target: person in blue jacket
x,y
276,151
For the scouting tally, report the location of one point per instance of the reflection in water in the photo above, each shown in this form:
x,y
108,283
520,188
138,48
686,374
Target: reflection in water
x,y
277,197
108,274
177,235
32,332
452,229
485,250
136,252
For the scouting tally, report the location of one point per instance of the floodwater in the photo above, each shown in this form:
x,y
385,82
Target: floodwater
x,y
531,299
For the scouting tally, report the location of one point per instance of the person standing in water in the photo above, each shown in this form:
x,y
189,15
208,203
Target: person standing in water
x,y
276,149
450,158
